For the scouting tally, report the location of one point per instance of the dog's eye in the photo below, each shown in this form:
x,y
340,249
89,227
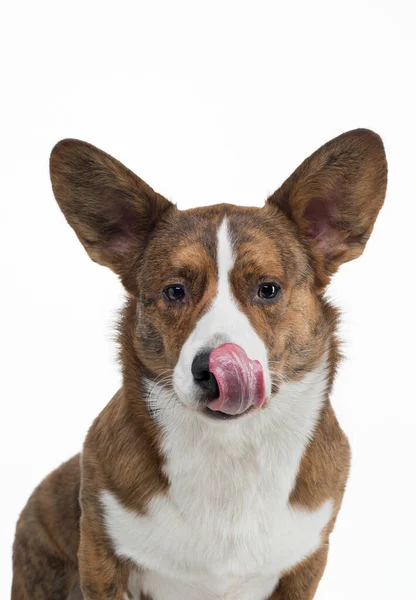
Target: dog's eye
x,y
268,291
174,293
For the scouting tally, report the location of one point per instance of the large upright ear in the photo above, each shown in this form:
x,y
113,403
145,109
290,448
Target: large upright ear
x,y
334,198
111,210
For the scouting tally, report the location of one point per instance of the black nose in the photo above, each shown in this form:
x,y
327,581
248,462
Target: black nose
x,y
203,376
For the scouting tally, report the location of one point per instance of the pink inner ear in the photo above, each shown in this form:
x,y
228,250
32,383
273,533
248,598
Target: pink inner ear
x,y
318,217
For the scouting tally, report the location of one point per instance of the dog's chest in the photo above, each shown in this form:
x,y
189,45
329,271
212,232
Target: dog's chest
x,y
224,531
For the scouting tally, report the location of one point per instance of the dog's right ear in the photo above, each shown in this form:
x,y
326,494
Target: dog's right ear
x,y
111,210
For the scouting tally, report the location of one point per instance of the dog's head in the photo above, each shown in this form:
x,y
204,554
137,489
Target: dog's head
x,y
228,301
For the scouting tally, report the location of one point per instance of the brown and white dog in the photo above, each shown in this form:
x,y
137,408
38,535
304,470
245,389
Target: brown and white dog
x,y
218,469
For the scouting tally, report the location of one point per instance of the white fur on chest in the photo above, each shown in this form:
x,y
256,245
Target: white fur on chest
x,y
225,530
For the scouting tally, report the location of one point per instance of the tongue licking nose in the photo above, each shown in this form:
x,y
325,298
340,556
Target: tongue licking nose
x,y
240,380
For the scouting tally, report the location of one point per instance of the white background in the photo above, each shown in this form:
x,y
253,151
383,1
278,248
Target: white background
x,y
209,102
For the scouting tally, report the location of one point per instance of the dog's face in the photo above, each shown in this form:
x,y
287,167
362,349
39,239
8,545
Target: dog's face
x,y
228,305
228,299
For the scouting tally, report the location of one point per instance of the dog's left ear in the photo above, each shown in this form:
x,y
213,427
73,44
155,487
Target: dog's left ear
x,y
112,211
334,198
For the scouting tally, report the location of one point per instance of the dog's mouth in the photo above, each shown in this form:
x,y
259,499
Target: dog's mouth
x,y
222,416
239,383
226,385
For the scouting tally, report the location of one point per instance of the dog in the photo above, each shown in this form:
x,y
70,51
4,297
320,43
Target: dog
x,y
218,469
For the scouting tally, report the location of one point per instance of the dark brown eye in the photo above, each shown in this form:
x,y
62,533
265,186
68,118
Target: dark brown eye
x,y
268,291
174,293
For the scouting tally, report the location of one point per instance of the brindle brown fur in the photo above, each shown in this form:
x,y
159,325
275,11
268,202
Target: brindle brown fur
x,y
322,216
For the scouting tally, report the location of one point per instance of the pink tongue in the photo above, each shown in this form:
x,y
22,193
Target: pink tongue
x,y
240,380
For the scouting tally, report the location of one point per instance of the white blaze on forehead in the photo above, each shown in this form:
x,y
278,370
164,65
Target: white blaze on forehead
x,y
223,322
225,260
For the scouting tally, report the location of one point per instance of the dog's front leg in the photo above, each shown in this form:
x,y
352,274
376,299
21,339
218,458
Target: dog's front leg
x,y
301,582
102,575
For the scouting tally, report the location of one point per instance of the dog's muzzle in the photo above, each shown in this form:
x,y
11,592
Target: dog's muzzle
x,y
232,382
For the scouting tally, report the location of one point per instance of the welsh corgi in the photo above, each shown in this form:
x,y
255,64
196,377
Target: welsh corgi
x,y
218,469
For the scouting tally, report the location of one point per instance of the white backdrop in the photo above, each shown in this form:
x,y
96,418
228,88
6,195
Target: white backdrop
x,y
208,102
